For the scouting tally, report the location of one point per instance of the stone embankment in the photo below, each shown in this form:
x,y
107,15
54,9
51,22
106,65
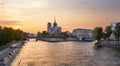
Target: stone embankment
x,y
108,43
7,55
52,39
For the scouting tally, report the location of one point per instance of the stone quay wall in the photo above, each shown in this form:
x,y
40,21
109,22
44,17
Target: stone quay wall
x,y
7,55
108,43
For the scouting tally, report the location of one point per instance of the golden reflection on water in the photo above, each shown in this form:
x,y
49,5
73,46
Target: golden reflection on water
x,y
62,54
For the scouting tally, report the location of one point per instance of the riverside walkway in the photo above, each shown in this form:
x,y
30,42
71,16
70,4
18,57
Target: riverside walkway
x,y
8,54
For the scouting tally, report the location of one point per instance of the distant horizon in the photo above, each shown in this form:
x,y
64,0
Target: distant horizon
x,y
58,24
63,30
33,15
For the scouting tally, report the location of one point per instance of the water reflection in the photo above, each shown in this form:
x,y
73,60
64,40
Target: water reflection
x,y
65,54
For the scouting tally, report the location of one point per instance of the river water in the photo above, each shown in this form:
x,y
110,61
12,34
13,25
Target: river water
x,y
71,53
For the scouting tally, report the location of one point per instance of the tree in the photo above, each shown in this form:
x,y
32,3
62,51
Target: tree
x,y
8,34
18,35
104,36
38,34
98,33
44,34
117,32
0,27
64,35
108,32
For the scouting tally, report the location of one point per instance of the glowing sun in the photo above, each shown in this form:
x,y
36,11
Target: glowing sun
x,y
17,27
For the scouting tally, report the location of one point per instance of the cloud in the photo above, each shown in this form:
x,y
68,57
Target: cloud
x,y
2,4
86,5
3,22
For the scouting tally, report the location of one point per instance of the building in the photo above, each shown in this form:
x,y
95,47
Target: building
x,y
113,25
53,29
83,34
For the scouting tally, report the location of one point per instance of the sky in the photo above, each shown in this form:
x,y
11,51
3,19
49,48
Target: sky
x,y
33,15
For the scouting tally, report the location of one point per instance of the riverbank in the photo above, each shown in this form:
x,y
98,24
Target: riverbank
x,y
52,39
62,40
71,53
7,55
108,43
2,47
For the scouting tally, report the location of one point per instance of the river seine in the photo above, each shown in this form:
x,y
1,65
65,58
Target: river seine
x,y
71,53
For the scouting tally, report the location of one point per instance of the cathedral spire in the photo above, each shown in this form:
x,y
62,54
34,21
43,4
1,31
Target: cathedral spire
x,y
55,23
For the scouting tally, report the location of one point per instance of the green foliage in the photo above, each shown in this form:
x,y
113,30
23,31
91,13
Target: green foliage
x,y
38,34
108,32
0,28
117,31
98,33
8,34
64,35
18,34
104,35
44,34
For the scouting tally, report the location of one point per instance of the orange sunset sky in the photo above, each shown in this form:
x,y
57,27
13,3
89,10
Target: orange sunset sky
x,y
33,15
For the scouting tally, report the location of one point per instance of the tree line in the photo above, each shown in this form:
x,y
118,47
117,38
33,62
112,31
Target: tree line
x,y
8,34
99,33
45,34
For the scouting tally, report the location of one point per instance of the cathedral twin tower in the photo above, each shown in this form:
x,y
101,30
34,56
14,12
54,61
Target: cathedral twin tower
x,y
53,29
